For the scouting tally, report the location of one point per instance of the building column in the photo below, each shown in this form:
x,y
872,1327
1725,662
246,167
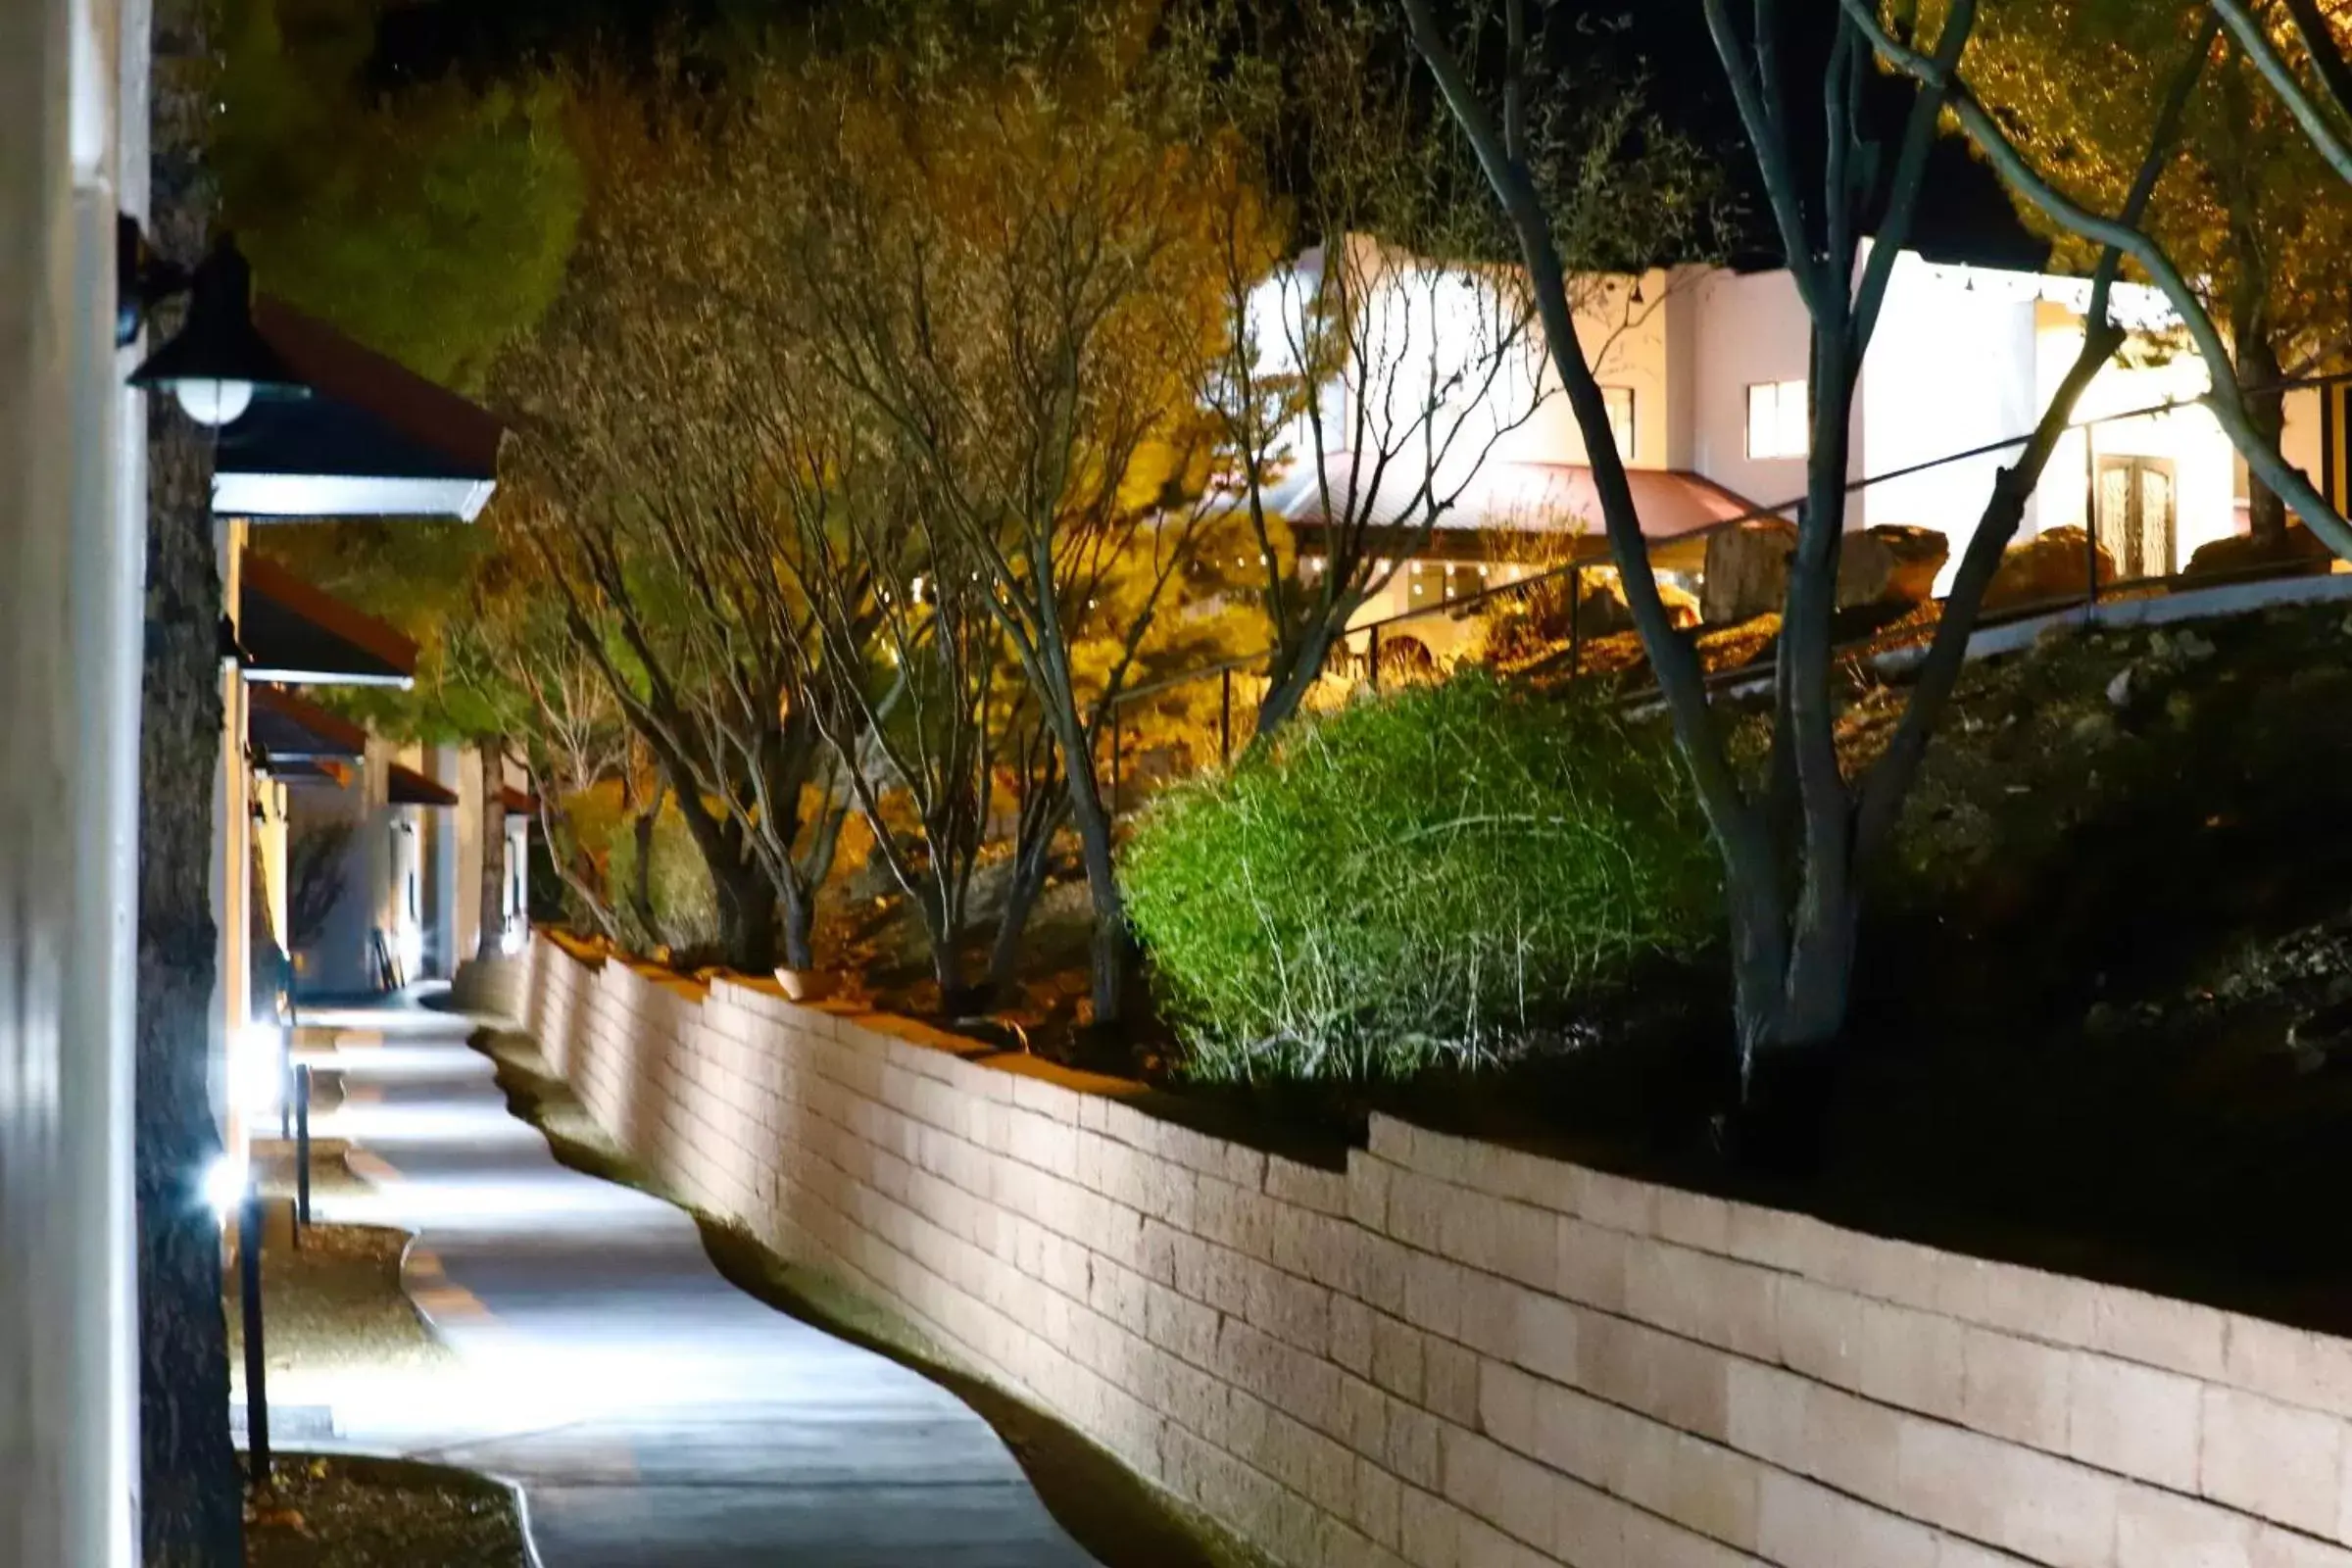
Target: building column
x,y
442,880
68,682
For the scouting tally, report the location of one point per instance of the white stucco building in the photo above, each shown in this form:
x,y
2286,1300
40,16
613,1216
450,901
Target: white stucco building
x,y
1707,373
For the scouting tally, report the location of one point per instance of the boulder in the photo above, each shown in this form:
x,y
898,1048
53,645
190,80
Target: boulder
x,y
1891,564
1682,604
2296,551
1404,658
1747,572
1603,610
2051,565
2318,1036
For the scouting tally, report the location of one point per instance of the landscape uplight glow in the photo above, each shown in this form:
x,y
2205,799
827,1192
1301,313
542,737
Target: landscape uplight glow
x,y
259,1067
225,1183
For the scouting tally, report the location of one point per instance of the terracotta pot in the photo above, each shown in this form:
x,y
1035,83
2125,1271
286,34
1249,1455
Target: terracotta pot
x,y
807,985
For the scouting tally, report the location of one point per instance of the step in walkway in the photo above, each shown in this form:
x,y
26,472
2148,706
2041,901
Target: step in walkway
x,y
654,1415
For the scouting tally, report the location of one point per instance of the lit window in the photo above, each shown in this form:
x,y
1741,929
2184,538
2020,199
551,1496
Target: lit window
x,y
1778,420
1424,585
1620,400
1464,582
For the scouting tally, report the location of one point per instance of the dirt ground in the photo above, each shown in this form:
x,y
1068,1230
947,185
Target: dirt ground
x,y
343,1511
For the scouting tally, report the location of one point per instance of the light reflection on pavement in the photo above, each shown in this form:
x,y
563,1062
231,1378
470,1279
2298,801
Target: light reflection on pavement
x,y
652,1413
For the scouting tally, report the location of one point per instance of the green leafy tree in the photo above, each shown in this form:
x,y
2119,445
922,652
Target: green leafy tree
x,y
434,223
431,222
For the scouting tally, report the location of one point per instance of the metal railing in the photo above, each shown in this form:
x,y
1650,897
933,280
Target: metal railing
x,y
1599,557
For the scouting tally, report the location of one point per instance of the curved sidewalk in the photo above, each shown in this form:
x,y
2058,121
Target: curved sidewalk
x,y
653,1414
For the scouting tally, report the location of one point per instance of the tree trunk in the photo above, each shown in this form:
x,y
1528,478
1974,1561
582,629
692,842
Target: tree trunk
x,y
746,920
2258,367
947,947
1113,943
1790,997
494,848
2255,355
816,865
640,874
799,894
1291,677
189,1510
1032,858
796,928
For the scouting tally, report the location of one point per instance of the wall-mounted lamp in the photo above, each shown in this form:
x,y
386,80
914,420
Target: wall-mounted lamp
x,y
218,362
142,280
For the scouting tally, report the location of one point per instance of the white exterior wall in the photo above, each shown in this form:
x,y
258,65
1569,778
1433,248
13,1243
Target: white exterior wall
x,y
444,887
2299,444
1952,367
1681,369
72,502
1418,328
465,923
1967,357
1626,342
1746,330
2205,463
342,961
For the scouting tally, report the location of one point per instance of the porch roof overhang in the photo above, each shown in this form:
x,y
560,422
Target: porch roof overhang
x,y
294,738
520,801
407,787
295,635
323,771
369,439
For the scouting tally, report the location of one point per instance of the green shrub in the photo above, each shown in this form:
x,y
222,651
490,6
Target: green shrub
x,y
1429,877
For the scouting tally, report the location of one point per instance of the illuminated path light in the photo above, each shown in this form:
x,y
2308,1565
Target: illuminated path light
x,y
653,1414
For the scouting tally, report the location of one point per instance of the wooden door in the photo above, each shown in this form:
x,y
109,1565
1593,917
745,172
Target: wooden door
x,y
2138,515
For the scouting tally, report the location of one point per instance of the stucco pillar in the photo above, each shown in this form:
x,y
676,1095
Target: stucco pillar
x,y
68,673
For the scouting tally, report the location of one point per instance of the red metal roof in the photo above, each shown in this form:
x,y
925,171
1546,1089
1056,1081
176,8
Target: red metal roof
x,y
289,729
295,633
333,365
407,787
1523,497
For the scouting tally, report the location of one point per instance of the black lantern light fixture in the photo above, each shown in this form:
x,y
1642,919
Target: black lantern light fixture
x,y
218,363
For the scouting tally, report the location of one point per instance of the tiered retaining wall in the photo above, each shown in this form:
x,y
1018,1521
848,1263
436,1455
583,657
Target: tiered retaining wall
x,y
1452,1354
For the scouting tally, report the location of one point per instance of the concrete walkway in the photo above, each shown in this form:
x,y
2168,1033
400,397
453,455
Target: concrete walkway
x,y
653,1414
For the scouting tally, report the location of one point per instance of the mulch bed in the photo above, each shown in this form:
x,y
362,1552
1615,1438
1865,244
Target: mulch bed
x,y
336,1303
347,1512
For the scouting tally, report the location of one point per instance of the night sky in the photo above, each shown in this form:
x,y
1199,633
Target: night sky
x,y
1964,215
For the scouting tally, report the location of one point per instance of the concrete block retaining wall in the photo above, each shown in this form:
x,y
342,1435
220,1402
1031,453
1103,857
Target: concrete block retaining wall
x,y
1451,1355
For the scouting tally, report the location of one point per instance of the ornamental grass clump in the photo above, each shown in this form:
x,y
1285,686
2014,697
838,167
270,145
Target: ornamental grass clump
x,y
1437,876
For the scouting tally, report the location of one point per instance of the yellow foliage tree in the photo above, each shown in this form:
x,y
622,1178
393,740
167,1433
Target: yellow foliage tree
x,y
2249,210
